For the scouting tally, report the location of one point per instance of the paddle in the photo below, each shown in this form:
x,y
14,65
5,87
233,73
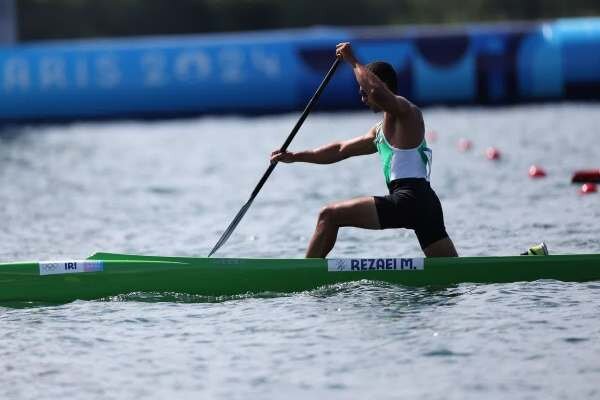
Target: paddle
x,y
287,142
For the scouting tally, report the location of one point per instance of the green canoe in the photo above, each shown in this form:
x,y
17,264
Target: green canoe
x,y
107,274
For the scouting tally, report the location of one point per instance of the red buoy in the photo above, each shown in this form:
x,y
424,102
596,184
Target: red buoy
x,y
536,172
464,145
588,188
492,153
586,175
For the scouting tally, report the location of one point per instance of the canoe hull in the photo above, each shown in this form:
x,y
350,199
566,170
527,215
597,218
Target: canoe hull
x,y
123,274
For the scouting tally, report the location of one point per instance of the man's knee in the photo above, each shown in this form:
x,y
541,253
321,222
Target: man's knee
x,y
327,215
442,248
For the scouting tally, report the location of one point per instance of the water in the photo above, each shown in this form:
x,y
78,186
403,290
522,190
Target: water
x,y
171,188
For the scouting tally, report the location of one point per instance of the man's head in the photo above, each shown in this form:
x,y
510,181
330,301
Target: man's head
x,y
385,72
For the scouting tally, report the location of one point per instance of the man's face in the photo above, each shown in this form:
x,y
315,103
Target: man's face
x,y
365,99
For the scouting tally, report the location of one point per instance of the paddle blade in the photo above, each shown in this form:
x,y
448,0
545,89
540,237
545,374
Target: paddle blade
x,y
231,227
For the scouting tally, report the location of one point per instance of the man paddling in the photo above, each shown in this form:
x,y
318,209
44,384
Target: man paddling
x,y
400,141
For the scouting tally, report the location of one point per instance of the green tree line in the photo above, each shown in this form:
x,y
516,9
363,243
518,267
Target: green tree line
x,y
53,19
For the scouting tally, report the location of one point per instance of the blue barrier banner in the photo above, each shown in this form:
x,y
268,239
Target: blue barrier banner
x,y
276,71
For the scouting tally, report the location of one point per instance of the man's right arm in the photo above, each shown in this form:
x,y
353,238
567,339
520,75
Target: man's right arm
x,y
331,153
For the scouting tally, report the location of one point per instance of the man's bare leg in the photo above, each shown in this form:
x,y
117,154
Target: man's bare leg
x,y
360,213
441,248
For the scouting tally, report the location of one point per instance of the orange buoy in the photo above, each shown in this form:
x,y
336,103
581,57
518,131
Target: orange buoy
x,y
588,188
464,145
536,172
586,175
492,153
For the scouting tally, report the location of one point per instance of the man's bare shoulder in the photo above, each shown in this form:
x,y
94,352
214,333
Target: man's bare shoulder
x,y
405,106
407,109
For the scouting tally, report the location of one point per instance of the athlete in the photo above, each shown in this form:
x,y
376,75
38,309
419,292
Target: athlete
x,y
400,141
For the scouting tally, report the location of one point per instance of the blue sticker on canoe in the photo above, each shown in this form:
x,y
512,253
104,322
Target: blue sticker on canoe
x,y
70,267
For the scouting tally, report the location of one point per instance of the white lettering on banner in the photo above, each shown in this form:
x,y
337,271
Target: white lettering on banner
x,y
79,70
70,267
270,65
52,73
109,75
16,75
375,264
198,61
154,69
231,63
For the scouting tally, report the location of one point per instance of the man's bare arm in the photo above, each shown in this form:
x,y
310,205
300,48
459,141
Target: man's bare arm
x,y
379,93
373,87
331,153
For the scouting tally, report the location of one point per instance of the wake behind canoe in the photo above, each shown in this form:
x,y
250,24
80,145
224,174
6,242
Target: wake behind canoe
x,y
108,274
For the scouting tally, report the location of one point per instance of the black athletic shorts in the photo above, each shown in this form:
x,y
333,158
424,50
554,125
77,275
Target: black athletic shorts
x,y
412,204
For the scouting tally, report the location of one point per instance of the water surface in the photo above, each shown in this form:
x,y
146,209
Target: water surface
x,y
170,188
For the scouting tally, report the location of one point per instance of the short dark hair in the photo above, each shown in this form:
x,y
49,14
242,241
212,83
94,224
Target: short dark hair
x,y
386,73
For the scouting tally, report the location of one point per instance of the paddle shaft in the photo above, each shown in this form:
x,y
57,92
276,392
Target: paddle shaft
x,y
284,147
